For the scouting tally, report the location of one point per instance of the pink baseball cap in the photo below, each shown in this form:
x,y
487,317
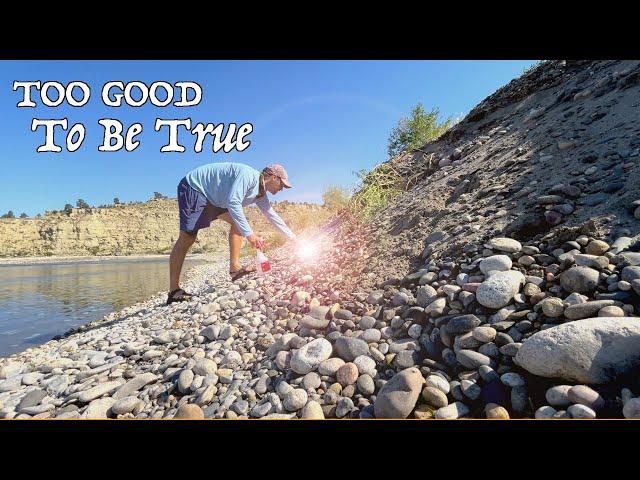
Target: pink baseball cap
x,y
278,170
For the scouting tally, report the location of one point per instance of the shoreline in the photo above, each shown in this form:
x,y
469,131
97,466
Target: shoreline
x,y
71,259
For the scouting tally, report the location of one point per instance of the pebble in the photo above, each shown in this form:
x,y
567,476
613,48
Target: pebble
x,y
365,384
125,405
496,412
436,381
189,411
312,410
585,395
330,366
484,334
580,411
545,412
347,374
435,397
472,359
453,411
344,407
295,400
365,364
512,380
631,409
558,396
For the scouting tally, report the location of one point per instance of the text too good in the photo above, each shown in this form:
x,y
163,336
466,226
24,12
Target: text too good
x,y
114,140
135,94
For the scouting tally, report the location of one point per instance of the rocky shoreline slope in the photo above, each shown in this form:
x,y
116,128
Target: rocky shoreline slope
x,y
511,331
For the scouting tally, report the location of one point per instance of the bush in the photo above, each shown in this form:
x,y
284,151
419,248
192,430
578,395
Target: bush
x,y
116,201
82,204
377,188
158,196
336,198
68,208
24,215
9,214
415,132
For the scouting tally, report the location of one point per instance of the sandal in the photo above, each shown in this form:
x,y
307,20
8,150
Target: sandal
x,y
178,295
236,274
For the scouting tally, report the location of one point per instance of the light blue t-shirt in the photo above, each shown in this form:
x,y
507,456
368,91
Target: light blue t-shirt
x,y
232,186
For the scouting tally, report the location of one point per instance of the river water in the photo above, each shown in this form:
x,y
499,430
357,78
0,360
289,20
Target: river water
x,y
38,302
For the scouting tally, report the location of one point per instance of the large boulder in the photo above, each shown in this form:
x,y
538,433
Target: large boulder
x,y
398,396
590,351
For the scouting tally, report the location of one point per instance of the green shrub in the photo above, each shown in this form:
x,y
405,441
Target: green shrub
x,y
414,132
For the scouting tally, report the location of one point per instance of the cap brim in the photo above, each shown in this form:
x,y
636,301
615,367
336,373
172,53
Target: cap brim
x,y
286,183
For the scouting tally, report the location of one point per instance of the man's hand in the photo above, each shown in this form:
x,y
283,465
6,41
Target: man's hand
x,y
256,241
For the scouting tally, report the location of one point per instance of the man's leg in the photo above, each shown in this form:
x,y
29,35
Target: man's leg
x,y
235,243
176,260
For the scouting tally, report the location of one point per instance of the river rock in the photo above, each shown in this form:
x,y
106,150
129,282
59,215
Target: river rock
x,y
586,310
453,411
425,295
134,385
312,410
581,411
313,323
10,369
586,395
330,366
472,359
347,374
493,411
499,289
125,405
295,399
590,351
365,384
398,396
31,399
185,380
503,244
579,279
435,397
462,324
484,334
99,408
307,358
366,365
99,390
558,396
631,409
189,411
348,348
495,262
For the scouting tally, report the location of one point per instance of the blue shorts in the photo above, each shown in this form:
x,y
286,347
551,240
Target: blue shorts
x,y
196,211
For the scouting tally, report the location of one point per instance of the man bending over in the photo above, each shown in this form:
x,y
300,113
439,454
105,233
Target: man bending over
x,y
219,191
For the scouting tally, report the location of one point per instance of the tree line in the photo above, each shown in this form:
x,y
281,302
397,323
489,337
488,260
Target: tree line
x,y
82,204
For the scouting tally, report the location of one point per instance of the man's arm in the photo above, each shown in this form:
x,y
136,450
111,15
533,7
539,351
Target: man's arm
x,y
268,211
234,204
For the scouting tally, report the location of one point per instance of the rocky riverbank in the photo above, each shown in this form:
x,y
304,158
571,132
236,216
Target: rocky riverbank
x,y
510,330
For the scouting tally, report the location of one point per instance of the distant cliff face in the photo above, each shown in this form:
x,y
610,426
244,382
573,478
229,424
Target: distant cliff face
x,y
146,228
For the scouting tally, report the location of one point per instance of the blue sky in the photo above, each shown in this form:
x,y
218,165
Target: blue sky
x,y
323,120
